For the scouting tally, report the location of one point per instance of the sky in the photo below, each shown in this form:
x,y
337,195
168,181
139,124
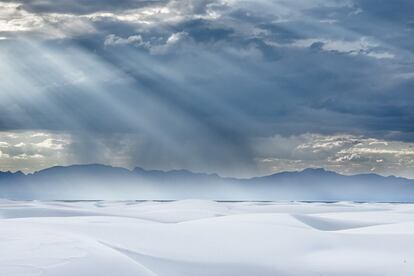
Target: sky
x,y
239,88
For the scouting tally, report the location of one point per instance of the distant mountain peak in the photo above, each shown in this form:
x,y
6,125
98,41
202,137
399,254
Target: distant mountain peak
x,y
321,170
101,181
318,172
10,173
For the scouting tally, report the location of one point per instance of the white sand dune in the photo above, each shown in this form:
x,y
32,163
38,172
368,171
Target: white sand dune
x,y
194,237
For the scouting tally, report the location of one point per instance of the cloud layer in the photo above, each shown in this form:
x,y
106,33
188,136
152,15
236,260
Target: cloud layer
x,y
190,84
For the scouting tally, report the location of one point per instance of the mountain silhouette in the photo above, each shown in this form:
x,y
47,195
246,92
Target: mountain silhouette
x,y
97,181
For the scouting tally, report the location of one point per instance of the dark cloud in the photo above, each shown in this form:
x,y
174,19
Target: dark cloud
x,y
204,78
83,6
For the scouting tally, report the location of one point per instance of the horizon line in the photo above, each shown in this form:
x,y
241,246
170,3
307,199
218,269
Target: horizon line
x,y
205,173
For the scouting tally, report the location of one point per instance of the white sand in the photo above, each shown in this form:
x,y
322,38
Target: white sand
x,y
199,238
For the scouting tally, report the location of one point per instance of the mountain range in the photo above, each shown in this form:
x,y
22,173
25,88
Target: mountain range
x,y
80,182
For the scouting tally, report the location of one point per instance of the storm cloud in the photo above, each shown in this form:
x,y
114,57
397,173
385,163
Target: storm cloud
x,y
205,85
